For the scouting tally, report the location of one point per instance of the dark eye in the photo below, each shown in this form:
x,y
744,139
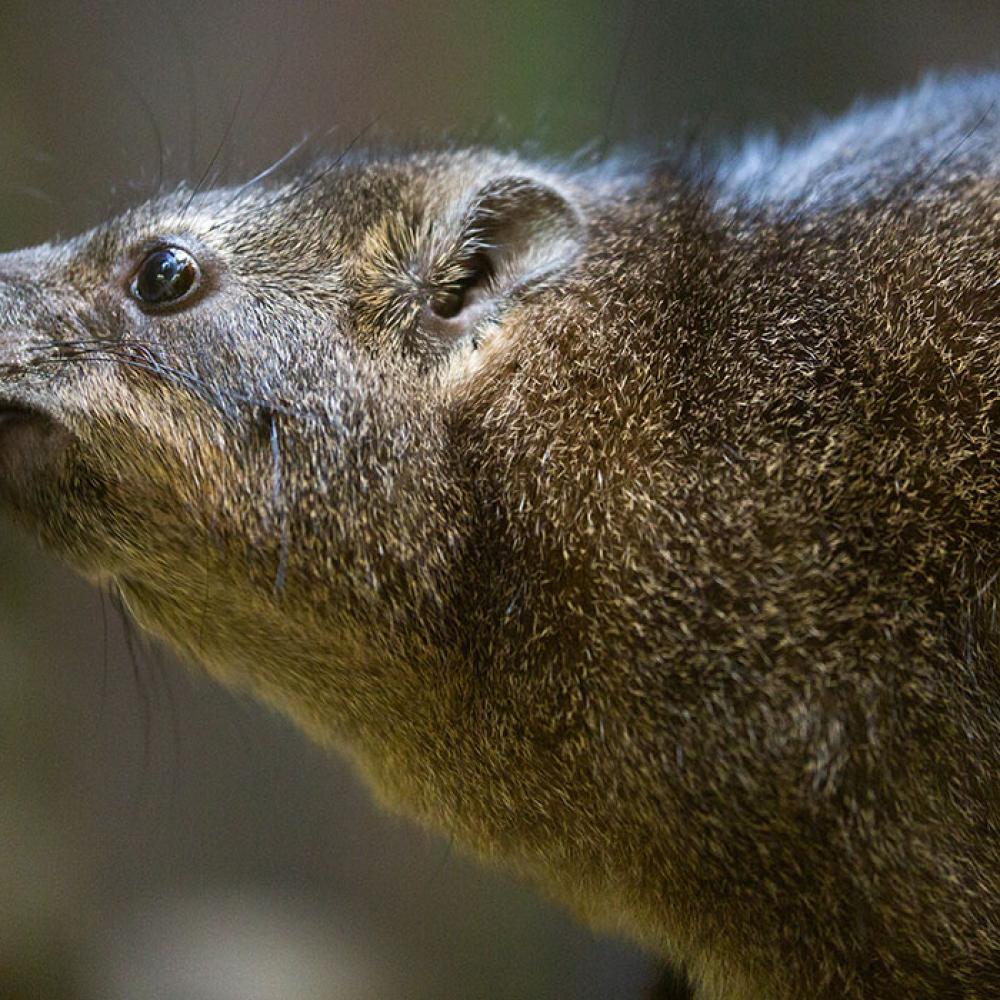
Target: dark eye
x,y
165,277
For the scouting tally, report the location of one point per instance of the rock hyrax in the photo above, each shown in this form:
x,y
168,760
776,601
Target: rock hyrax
x,y
637,525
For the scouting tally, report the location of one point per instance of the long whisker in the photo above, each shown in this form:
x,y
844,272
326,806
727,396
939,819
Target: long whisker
x,y
115,67
184,50
278,64
146,361
919,178
620,69
209,393
289,194
311,182
141,687
218,151
279,507
104,672
269,170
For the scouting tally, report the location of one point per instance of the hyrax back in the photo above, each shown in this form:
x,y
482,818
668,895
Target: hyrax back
x,y
637,528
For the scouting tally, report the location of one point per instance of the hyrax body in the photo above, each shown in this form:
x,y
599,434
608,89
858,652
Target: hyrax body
x,y
638,528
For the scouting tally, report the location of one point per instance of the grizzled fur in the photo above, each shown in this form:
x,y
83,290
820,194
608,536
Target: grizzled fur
x,y
659,562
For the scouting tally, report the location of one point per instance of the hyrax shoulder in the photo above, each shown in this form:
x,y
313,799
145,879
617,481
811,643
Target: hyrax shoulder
x,y
635,526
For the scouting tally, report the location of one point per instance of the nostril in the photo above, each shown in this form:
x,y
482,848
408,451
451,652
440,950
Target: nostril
x,y
30,443
13,414
10,414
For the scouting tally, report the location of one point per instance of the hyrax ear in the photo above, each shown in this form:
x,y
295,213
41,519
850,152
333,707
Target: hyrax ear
x,y
514,235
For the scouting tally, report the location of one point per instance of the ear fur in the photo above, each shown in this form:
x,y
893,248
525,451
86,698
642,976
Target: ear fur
x,y
514,234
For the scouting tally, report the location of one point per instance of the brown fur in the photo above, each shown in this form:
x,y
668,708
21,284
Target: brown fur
x,y
669,579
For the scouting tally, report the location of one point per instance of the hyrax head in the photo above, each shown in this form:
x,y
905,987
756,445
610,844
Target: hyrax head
x,y
226,400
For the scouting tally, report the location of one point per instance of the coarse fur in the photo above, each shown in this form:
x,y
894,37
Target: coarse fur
x,y
635,526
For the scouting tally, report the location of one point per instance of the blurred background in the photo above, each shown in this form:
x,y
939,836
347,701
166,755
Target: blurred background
x,y
159,838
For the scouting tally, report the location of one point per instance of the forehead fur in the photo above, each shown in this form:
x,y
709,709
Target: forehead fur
x,y
322,209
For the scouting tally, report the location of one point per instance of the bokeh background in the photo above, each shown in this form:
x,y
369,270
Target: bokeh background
x,y
158,837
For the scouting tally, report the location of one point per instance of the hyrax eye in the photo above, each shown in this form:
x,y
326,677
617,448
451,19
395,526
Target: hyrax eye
x,y
165,277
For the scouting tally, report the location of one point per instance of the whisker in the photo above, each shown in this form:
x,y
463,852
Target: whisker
x,y
176,376
154,124
278,63
86,351
184,48
206,596
279,507
115,66
268,171
128,631
218,151
104,644
162,673
620,69
296,191
309,183
917,180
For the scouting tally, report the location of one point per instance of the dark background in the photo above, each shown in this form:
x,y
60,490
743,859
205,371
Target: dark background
x,y
158,838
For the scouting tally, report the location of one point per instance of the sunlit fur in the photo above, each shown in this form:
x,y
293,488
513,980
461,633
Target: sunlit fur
x,y
671,584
